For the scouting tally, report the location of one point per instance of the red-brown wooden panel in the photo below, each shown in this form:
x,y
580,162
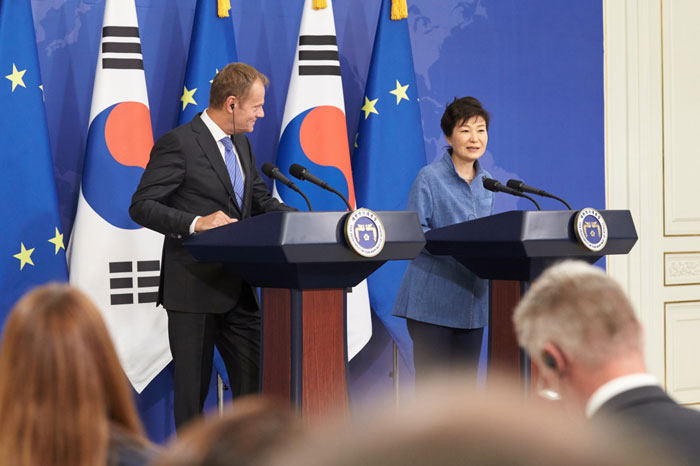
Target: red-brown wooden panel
x,y
324,382
504,352
276,343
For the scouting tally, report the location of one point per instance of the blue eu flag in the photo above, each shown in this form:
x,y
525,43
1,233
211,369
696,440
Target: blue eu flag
x,y
389,153
32,248
212,46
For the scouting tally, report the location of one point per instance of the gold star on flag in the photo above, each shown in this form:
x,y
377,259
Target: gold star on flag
x,y
368,107
399,92
188,97
217,72
57,241
356,135
24,256
16,77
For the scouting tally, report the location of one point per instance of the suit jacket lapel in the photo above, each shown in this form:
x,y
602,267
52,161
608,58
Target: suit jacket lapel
x,y
211,151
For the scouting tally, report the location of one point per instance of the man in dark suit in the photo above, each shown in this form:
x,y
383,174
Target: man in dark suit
x,y
585,340
202,175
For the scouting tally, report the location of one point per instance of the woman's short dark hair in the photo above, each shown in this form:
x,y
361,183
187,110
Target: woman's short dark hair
x,y
461,110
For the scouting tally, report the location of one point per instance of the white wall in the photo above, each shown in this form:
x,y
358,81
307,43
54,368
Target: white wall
x,y
652,91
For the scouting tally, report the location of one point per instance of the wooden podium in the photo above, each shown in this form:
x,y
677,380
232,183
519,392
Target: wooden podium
x,y
512,249
303,263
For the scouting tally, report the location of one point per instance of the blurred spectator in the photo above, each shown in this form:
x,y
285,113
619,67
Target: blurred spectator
x,y
452,424
64,399
583,335
246,430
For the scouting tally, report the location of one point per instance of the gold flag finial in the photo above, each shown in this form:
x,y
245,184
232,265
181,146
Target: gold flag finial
x,y
223,7
399,10
319,4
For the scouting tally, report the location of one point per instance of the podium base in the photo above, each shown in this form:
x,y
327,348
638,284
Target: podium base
x,y
304,349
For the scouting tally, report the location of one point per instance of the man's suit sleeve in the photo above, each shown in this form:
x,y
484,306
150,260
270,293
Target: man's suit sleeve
x,y
164,173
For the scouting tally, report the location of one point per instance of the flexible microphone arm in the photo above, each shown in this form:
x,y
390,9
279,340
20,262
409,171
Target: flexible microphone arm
x,y
300,172
273,172
522,187
495,186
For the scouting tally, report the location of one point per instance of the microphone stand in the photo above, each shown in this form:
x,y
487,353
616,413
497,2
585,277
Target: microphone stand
x,y
531,199
304,196
560,200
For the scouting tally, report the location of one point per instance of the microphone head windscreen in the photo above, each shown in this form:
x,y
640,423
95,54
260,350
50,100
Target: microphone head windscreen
x,y
515,184
267,168
490,184
297,171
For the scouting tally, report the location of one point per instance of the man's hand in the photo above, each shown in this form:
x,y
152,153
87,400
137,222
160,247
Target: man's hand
x,y
214,220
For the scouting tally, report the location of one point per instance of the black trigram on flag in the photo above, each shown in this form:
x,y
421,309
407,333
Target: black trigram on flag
x,y
121,48
318,56
128,286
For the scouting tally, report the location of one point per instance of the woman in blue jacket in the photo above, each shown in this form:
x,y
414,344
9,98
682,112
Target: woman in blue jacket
x,y
445,304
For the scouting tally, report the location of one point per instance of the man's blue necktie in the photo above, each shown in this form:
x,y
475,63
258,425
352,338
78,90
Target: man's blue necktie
x,y
234,170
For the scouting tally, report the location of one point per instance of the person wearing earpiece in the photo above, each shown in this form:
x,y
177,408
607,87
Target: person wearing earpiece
x,y
203,175
445,305
583,336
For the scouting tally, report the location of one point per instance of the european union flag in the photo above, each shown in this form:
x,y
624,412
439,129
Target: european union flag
x,y
212,46
389,153
32,248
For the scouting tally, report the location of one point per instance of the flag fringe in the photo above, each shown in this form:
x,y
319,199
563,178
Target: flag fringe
x,y
223,7
399,9
319,4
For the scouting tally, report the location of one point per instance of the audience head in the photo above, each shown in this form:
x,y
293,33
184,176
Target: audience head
x,y
245,431
61,383
579,328
452,424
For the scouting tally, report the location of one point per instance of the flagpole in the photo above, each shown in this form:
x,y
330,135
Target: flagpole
x,y
395,373
220,394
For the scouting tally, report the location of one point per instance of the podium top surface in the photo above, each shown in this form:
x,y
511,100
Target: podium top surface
x,y
303,237
529,234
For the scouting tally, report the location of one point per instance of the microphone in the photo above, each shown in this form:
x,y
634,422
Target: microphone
x,y
523,188
271,171
297,171
495,186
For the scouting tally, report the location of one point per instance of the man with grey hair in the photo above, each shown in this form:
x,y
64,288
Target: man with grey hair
x,y
582,334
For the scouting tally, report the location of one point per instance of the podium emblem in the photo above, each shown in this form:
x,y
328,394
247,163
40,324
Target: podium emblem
x,y
364,232
591,229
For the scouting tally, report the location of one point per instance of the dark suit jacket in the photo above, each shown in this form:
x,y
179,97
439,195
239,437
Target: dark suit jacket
x,y
649,410
186,176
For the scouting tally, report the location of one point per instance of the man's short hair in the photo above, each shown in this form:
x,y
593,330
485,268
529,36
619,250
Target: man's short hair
x,y
577,307
234,79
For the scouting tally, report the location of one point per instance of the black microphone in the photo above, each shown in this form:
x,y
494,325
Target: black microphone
x,y
297,171
523,188
271,171
495,186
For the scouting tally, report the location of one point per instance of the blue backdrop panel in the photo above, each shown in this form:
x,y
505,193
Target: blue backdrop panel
x,y
537,66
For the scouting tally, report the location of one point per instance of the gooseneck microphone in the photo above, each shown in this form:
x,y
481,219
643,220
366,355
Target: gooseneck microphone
x,y
495,186
297,171
271,171
523,188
